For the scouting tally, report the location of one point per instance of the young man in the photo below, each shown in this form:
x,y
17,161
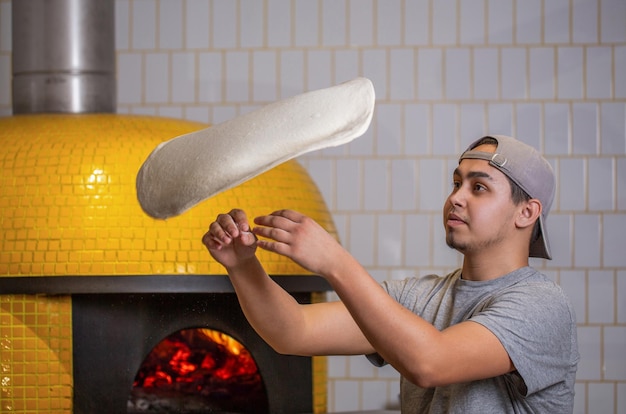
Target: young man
x,y
495,336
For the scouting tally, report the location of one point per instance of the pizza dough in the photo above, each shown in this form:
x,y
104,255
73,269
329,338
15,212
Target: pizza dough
x,y
188,169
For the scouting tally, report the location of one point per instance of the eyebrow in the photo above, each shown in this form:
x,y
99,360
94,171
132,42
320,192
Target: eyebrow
x,y
473,174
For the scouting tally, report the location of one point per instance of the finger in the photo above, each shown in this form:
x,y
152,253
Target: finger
x,y
240,219
273,233
288,214
211,242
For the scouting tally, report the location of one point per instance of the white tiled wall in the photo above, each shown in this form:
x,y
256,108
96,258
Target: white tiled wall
x,y
551,72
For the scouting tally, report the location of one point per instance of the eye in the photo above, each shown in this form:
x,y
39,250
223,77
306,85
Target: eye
x,y
479,187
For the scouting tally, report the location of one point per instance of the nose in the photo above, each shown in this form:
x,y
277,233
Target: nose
x,y
457,197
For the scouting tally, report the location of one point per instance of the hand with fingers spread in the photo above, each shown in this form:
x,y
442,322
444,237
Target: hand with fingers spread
x,y
299,238
229,239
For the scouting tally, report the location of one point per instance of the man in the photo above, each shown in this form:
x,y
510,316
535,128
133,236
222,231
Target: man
x,y
495,336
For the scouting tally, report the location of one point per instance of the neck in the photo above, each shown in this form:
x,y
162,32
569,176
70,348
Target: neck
x,y
489,267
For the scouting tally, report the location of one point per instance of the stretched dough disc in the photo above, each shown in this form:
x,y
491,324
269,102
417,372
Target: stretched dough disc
x,y
188,169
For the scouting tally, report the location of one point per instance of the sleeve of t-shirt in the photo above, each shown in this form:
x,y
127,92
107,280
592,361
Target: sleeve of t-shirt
x,y
534,323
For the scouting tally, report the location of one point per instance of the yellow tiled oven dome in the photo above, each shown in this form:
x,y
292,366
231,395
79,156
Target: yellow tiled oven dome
x,y
68,204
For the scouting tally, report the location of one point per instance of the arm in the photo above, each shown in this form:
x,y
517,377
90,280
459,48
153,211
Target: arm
x,y
286,325
421,353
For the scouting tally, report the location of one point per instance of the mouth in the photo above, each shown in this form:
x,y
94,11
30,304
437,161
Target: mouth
x,y
454,220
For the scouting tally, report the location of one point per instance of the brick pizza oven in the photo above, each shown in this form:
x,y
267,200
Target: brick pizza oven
x,y
100,304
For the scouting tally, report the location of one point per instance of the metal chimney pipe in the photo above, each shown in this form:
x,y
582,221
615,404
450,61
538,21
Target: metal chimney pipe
x,y
63,56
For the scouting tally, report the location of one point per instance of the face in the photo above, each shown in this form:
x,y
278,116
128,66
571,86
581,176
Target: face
x,y
479,212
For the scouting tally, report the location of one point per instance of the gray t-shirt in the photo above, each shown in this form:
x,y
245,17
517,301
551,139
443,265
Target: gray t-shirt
x,y
532,318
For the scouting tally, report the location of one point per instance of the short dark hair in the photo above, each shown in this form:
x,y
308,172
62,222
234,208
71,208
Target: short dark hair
x,y
518,195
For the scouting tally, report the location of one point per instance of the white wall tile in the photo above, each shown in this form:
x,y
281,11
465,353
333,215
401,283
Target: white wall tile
x,y
432,182
471,123
528,27
210,77
500,119
601,398
389,238
416,129
585,21
614,361
279,20
143,21
364,146
584,128
443,256
457,77
337,366
514,80
375,68
571,189
322,171
556,128
528,124
359,367
598,80
170,112
444,132
223,113
613,128
621,184
5,80
197,114
614,240
156,78
388,22
122,24
361,243
306,23
403,185
334,29
573,284
5,27
170,28
319,70
129,80
417,243
444,30
429,74
346,395
541,74
291,73
361,22
612,17
589,348
416,22
374,395
500,22
556,15
402,74
621,296
601,186
486,74
346,65
375,185
570,67
580,398
620,67
586,240
251,22
236,76
183,77
601,296
348,184
197,27
223,32
264,75
561,243
388,129
472,22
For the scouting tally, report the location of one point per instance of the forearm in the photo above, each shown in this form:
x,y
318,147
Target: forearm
x,y
273,313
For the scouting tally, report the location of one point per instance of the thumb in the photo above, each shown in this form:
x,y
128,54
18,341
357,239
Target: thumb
x,y
247,238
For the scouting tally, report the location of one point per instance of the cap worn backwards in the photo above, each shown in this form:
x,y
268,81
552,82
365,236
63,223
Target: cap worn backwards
x,y
525,166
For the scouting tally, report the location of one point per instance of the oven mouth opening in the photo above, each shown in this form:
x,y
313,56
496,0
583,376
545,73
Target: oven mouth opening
x,y
198,370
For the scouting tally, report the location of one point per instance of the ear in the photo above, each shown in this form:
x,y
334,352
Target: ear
x,y
529,213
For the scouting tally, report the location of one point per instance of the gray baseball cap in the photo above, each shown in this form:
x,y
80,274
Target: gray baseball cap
x,y
525,166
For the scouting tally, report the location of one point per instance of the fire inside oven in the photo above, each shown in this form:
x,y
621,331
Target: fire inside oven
x,y
198,370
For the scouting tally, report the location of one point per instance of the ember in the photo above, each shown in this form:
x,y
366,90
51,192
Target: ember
x,y
198,370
